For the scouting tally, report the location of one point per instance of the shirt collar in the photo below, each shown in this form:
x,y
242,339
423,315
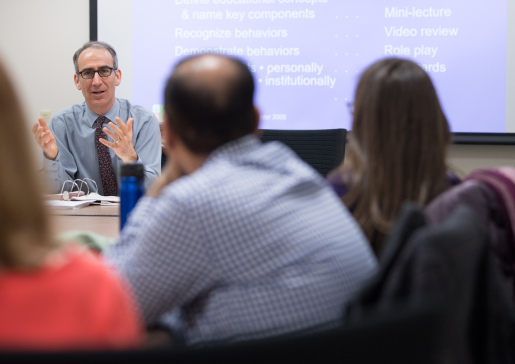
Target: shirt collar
x,y
236,147
113,112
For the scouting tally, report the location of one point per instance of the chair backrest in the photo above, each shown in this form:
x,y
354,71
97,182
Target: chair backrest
x,y
324,150
163,159
404,337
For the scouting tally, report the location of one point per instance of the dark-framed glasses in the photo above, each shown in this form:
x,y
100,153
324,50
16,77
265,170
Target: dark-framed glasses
x,y
102,72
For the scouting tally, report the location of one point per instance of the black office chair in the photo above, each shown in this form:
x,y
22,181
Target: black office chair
x,y
324,150
163,159
397,336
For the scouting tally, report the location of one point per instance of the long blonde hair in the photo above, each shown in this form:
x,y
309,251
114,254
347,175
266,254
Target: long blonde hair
x,y
24,235
397,147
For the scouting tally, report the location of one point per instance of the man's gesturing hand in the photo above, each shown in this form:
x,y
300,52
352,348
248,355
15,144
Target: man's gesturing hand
x,y
122,145
45,139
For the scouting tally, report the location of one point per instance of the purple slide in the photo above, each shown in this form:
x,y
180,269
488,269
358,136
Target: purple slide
x,y
307,55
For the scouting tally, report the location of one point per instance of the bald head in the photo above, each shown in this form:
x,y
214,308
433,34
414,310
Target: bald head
x,y
209,101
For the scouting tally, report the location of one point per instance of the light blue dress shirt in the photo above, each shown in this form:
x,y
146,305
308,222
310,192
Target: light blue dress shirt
x,y
252,244
74,131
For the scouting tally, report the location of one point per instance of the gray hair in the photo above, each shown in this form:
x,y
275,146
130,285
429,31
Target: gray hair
x,y
98,45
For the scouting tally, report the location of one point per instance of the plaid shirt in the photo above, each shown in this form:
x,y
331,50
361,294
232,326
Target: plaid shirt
x,y
252,244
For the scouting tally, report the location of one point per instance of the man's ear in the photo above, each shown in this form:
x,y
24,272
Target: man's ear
x,y
76,80
169,136
118,77
257,117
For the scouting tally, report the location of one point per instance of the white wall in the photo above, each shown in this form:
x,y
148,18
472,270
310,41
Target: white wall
x,y
39,38
465,158
109,31
37,42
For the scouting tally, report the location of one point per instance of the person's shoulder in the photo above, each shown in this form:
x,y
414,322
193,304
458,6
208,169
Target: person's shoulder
x,y
84,262
248,164
184,191
282,159
82,279
249,156
70,113
88,278
73,274
190,192
67,116
74,109
136,111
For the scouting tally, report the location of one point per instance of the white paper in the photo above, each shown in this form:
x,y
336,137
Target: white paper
x,y
67,205
97,197
107,203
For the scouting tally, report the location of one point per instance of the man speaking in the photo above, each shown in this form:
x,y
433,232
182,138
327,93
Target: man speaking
x,y
93,139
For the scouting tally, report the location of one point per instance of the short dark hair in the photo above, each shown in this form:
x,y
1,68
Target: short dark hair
x,y
98,45
206,114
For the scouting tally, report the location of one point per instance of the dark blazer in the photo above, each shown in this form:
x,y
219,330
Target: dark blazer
x,y
450,264
487,204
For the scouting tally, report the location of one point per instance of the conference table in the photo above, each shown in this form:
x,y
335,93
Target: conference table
x,y
103,220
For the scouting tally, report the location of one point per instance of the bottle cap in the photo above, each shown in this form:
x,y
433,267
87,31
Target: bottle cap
x,y
133,170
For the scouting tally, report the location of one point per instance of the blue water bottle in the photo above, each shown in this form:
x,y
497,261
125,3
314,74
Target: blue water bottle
x,y
132,176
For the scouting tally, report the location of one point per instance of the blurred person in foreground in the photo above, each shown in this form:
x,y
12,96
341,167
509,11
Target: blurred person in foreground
x,y
237,239
397,147
51,297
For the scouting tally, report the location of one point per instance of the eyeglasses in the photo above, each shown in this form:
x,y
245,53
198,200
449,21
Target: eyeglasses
x,y
102,72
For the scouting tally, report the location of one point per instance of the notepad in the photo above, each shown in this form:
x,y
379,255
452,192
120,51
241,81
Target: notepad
x,y
67,205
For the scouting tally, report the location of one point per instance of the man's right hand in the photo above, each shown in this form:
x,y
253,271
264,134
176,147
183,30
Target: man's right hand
x,y
45,139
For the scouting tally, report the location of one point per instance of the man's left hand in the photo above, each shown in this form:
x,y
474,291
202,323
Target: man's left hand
x,y
122,144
